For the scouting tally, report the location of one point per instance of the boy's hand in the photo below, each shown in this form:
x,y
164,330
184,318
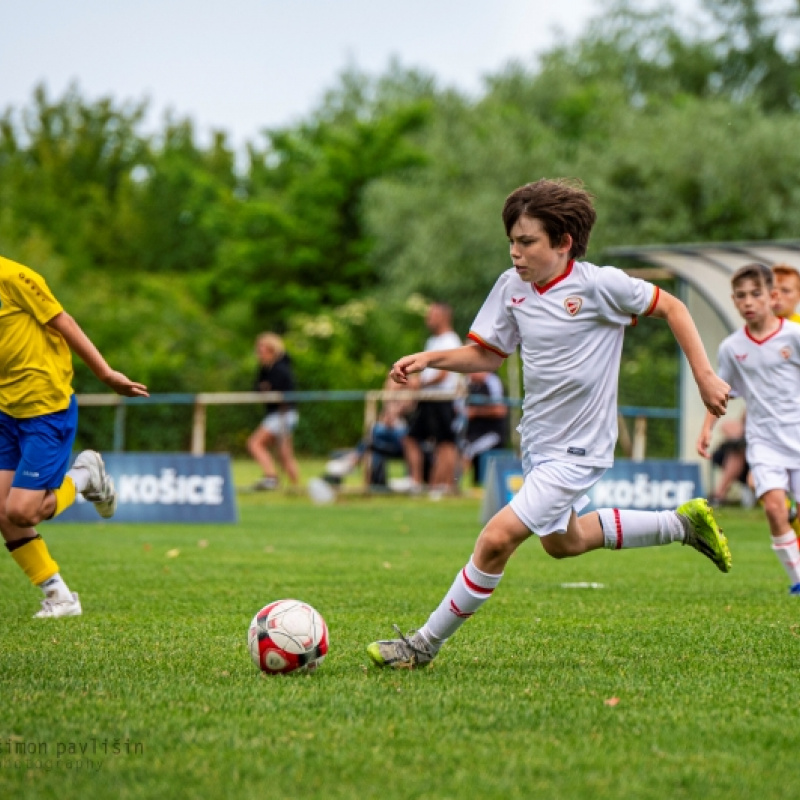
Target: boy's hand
x,y
703,443
406,366
714,392
125,386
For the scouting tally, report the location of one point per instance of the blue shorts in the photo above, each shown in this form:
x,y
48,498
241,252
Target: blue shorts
x,y
38,449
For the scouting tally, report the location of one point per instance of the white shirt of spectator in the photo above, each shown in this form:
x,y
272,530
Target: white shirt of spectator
x,y
444,341
570,337
766,373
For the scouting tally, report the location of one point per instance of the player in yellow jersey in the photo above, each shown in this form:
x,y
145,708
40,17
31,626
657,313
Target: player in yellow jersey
x,y
38,420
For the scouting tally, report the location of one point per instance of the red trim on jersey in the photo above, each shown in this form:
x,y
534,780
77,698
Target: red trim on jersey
x,y
618,524
766,338
565,274
473,587
485,345
654,302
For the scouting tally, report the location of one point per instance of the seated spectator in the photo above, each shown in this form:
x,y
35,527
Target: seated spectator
x,y
385,441
730,458
487,421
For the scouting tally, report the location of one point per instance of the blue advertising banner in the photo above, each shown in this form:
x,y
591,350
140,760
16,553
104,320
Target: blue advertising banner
x,y
645,485
165,487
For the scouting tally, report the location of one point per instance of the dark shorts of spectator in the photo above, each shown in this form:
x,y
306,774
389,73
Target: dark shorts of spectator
x,y
725,449
433,420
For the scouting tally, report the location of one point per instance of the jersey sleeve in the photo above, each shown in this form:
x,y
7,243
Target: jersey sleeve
x,y
495,328
30,292
622,298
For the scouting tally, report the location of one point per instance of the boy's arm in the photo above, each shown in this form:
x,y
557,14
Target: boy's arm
x,y
713,390
81,345
468,358
704,440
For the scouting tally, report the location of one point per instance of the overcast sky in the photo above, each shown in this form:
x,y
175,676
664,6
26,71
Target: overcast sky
x,y
242,65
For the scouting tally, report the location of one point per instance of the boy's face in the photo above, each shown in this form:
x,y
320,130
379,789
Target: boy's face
x,y
785,295
752,301
533,256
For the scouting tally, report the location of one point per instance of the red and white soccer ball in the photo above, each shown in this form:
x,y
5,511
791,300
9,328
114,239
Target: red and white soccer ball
x,y
288,636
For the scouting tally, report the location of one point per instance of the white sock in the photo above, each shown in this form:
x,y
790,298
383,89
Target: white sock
x,y
55,589
470,590
788,553
624,529
80,477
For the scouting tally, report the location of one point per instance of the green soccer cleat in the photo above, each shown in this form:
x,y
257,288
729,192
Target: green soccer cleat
x,y
407,652
703,533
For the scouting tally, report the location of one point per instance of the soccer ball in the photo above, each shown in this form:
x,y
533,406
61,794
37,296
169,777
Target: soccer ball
x,y
288,636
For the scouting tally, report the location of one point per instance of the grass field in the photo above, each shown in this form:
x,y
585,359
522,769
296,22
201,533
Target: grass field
x,y
672,681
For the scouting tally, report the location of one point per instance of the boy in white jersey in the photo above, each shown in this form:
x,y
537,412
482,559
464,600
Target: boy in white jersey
x,y
761,361
568,319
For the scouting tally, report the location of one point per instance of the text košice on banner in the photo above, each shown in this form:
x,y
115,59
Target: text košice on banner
x,y
165,487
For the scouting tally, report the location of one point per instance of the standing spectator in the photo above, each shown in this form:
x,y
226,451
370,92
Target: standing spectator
x,y
435,419
487,420
275,431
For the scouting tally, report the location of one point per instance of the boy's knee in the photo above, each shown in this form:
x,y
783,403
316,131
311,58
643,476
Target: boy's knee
x,y
18,517
559,546
495,543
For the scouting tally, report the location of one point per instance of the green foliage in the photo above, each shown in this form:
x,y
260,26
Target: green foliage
x,y
173,258
343,349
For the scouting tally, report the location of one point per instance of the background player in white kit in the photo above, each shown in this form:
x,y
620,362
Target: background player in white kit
x,y
568,318
761,361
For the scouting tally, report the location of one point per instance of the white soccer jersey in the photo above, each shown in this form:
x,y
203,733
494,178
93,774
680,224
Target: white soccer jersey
x,y
766,373
570,337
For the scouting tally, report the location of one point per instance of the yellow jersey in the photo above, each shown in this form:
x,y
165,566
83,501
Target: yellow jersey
x,y
35,360
793,317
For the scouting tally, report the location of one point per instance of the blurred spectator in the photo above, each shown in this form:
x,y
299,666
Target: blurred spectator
x,y
729,457
434,419
275,431
385,441
487,421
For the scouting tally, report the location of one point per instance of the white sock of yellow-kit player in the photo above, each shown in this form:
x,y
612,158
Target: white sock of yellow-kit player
x,y
470,590
788,553
623,529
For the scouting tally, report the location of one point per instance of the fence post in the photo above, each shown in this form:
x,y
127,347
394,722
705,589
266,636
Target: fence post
x,y
624,436
199,428
119,427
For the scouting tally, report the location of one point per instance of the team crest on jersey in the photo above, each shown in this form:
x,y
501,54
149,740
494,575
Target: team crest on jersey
x,y
741,357
786,352
517,301
573,305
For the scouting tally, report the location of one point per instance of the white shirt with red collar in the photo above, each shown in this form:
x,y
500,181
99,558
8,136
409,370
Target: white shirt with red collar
x,y
766,373
570,337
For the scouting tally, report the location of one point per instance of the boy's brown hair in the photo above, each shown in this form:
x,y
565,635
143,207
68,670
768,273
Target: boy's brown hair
x,y
786,271
759,273
562,206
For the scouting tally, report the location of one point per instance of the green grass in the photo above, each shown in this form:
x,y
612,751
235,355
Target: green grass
x,y
704,665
